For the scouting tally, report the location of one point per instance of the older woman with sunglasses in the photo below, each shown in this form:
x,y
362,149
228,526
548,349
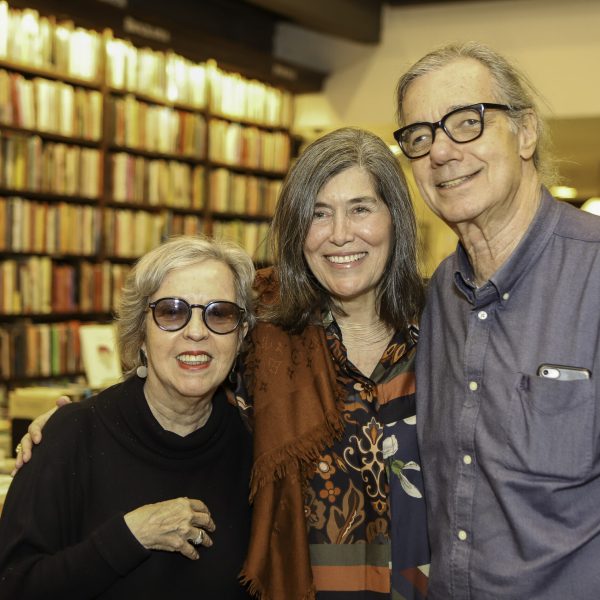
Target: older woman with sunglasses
x,y
134,485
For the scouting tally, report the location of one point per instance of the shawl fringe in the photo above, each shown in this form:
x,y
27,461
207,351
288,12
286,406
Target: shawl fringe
x,y
306,449
256,589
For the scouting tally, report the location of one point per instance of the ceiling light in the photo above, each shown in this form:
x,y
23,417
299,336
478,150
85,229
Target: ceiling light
x,y
564,192
592,205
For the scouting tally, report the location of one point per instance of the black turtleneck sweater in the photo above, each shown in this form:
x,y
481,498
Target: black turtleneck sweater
x,y
62,531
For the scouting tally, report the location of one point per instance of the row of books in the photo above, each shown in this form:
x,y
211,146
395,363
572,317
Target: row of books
x,y
29,163
31,39
250,236
26,286
69,229
233,96
61,228
39,349
50,106
90,286
157,128
165,76
38,285
156,182
131,233
242,194
181,224
237,145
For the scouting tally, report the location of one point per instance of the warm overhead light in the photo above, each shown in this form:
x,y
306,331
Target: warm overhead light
x,y
592,205
395,149
564,192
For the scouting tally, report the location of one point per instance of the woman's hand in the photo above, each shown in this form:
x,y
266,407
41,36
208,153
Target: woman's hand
x,y
173,525
34,434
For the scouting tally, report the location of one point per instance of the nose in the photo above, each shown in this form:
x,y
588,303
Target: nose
x,y
196,329
341,230
443,148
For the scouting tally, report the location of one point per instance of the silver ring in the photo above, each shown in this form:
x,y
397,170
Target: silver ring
x,y
200,538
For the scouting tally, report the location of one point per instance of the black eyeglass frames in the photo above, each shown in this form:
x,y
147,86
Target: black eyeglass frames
x,y
219,316
461,125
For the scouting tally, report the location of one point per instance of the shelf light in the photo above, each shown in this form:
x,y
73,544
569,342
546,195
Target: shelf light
x,y
592,205
564,192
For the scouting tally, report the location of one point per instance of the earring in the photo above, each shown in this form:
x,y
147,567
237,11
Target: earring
x,y
142,370
233,376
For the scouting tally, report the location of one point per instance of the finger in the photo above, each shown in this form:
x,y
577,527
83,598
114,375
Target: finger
x,y
26,445
199,537
197,505
203,520
201,515
36,426
62,401
18,458
189,551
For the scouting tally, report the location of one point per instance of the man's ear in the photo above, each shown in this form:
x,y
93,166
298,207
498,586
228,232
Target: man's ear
x,y
528,137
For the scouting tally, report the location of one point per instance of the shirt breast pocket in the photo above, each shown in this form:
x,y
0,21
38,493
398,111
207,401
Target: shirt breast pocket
x,y
550,431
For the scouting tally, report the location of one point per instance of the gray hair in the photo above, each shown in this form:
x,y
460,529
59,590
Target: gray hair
x,y
400,291
150,271
513,88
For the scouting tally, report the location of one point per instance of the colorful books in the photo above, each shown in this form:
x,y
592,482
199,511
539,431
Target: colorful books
x,y
99,165
39,349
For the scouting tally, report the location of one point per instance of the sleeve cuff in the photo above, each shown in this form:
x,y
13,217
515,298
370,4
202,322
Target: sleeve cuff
x,y
118,546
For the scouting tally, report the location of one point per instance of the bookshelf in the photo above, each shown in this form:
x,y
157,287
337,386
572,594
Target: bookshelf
x,y
106,149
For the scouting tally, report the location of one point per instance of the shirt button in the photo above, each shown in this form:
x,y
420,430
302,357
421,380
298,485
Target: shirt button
x,y
505,296
467,459
482,315
462,535
473,386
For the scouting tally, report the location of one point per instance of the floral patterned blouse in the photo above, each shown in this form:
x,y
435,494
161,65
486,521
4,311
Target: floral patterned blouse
x,y
364,503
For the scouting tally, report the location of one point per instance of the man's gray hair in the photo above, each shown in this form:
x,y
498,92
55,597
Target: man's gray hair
x,y
513,88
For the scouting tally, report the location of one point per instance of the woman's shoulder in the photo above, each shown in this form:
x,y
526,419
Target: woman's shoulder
x,y
63,435
76,417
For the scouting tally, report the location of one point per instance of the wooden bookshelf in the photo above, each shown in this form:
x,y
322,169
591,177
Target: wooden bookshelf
x,y
106,149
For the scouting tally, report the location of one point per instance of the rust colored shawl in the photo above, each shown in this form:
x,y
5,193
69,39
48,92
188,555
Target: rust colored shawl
x,y
292,381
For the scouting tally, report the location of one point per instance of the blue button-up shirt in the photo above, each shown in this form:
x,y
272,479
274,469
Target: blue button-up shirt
x,y
512,459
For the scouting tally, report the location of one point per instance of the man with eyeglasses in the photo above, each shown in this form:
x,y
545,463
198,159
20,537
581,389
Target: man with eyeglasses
x,y
509,352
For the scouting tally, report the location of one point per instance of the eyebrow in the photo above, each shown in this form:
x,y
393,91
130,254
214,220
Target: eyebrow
x,y
356,200
450,109
457,106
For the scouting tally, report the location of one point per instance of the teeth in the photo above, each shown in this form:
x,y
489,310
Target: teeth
x,y
193,359
453,182
346,259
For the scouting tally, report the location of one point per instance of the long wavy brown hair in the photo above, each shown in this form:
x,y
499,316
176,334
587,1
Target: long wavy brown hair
x,y
400,294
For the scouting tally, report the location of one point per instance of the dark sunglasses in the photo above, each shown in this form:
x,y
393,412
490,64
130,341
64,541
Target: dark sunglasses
x,y
219,316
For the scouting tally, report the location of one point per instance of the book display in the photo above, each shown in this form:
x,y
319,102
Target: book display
x,y
106,149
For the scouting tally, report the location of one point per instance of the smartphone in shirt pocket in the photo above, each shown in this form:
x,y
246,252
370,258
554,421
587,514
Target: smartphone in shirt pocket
x,y
563,372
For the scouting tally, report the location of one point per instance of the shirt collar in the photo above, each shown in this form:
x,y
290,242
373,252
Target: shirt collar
x,y
529,248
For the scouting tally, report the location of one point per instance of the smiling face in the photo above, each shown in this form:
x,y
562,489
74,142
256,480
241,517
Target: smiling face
x,y
191,363
480,180
348,242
